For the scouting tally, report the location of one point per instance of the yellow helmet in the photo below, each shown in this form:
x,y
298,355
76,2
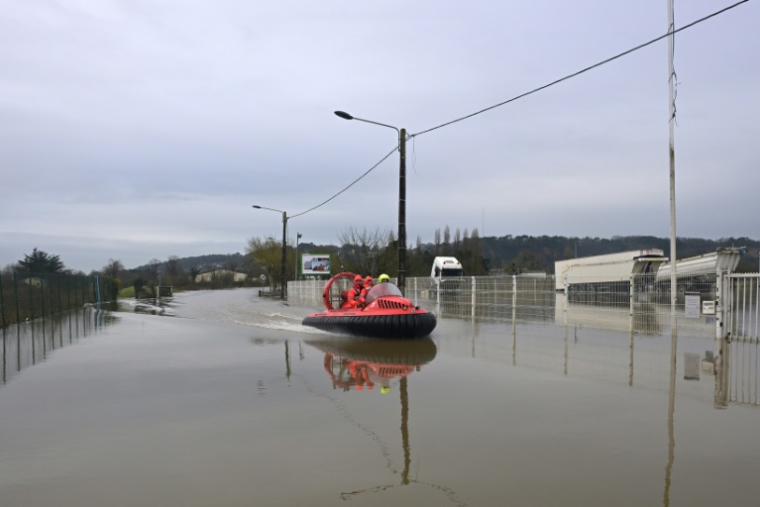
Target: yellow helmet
x,y
385,389
383,278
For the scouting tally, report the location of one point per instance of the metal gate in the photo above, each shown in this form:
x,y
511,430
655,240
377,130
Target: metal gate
x,y
742,312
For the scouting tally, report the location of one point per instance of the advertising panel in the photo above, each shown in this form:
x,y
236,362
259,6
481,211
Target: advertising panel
x,y
315,264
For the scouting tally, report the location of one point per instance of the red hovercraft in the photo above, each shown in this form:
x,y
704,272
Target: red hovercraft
x,y
386,313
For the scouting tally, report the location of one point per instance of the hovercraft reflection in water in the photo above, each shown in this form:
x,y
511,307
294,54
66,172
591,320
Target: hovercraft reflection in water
x,y
152,306
365,364
386,313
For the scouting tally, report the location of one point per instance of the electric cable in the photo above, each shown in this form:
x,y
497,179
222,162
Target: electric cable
x,y
569,76
350,185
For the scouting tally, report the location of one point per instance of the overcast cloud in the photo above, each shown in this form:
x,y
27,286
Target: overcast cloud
x,y
136,129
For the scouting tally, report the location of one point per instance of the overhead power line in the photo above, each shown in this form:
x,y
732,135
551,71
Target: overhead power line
x,y
350,185
569,76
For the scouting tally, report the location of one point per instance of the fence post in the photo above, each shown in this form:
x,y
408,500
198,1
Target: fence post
x,y
514,320
473,297
15,292
514,300
97,287
720,307
721,358
2,305
438,294
42,299
31,297
631,294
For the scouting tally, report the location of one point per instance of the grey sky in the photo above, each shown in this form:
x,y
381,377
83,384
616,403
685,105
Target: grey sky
x,y
138,129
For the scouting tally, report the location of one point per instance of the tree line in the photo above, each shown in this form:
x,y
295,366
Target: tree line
x,y
376,252
372,253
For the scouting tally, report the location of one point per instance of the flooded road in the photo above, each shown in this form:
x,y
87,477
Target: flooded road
x,y
222,398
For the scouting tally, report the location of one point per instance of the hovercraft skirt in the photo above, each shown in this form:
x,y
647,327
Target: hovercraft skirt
x,y
406,326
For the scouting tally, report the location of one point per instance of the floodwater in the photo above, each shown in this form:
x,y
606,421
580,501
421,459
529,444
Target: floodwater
x,y
223,399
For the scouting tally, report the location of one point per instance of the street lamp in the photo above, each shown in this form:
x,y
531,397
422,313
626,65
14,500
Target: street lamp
x,y
283,282
401,195
298,236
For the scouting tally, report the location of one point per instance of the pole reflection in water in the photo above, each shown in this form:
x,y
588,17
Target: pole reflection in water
x,y
363,365
287,360
25,345
5,349
671,427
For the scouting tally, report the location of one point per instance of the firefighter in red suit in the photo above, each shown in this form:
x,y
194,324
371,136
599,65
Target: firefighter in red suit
x,y
354,293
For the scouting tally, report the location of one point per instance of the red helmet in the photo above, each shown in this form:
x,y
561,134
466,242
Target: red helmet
x,y
358,280
368,280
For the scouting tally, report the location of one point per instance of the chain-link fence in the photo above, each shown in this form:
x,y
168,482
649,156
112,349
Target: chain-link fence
x,y
27,296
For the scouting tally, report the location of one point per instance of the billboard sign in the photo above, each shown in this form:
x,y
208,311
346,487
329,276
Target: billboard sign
x,y
315,264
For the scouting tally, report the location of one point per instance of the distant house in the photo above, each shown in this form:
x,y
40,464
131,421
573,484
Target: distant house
x,y
219,273
35,281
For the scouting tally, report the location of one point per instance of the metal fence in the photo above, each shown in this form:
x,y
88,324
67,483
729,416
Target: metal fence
x,y
616,332
25,345
27,296
743,310
639,305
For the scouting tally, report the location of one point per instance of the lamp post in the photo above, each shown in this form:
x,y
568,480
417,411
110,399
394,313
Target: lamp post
x,y
401,195
283,282
298,236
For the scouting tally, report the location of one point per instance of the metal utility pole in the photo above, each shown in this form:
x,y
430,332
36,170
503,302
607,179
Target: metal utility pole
x,y
402,212
672,153
283,281
298,236
673,258
401,195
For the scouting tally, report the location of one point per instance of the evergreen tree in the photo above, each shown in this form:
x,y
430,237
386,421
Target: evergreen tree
x,y
41,262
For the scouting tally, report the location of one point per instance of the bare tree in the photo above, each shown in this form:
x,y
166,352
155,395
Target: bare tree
x,y
447,241
173,267
113,268
232,265
362,251
194,272
9,269
437,242
153,266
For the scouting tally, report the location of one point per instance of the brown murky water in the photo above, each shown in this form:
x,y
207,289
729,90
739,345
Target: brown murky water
x,y
232,403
